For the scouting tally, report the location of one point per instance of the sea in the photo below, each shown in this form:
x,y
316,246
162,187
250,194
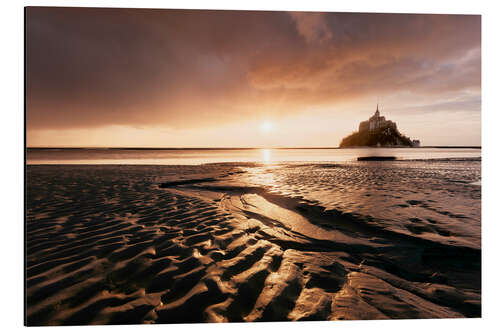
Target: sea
x,y
194,156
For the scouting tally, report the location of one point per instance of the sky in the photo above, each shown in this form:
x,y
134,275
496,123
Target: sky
x,y
100,77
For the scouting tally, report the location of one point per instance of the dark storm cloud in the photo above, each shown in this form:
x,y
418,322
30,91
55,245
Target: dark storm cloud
x,y
174,68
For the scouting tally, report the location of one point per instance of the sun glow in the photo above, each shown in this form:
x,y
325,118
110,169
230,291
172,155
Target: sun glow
x,y
266,127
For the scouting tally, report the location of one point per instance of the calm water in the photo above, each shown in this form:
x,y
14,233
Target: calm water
x,y
201,156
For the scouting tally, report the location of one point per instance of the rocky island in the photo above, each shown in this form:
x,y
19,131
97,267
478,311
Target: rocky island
x,y
378,132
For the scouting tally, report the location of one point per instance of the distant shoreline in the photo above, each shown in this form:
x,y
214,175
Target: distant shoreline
x,y
234,148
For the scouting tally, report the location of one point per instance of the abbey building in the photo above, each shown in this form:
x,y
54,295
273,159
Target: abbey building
x,y
375,122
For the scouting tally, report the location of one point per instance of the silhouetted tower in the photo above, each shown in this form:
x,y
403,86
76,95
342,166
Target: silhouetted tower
x,y
377,113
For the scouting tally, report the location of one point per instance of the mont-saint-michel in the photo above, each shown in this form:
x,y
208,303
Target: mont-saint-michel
x,y
378,132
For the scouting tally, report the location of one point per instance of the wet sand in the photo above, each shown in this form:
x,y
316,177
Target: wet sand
x,y
222,243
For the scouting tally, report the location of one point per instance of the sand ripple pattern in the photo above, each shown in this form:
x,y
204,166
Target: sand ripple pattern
x,y
431,199
107,245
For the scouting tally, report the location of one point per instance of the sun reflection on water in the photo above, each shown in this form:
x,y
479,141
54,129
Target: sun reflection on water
x,y
266,155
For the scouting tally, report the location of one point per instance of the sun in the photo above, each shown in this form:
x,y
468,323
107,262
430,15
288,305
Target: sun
x,y
266,127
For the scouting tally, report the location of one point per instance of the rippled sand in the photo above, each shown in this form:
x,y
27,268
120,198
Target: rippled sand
x,y
216,243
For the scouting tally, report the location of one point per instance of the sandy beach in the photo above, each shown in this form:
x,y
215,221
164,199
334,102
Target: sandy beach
x,y
124,244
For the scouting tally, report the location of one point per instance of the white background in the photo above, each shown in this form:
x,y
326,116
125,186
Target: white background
x,y
12,162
